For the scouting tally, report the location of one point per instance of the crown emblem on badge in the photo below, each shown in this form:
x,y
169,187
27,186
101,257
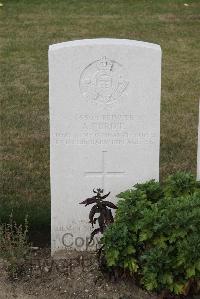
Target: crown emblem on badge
x,y
103,81
104,64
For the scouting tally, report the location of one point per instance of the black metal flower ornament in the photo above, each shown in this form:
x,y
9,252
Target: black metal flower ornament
x,y
101,207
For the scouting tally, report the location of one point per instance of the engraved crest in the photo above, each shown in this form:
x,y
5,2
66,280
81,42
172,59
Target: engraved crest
x,y
103,81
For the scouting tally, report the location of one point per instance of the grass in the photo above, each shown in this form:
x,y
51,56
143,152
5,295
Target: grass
x,y
28,27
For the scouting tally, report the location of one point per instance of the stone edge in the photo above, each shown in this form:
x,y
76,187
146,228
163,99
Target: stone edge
x,y
104,41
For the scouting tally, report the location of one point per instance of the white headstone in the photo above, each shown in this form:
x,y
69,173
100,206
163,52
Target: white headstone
x,y
104,126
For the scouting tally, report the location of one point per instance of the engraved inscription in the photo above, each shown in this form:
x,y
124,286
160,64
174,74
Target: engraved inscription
x,y
105,129
103,81
140,138
103,173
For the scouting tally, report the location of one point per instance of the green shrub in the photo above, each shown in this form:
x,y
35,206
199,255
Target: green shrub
x,y
156,234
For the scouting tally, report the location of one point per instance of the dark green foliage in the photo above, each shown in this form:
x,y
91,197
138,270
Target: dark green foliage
x,y
156,234
152,189
181,183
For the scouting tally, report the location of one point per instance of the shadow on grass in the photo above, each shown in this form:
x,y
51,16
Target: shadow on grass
x,y
39,219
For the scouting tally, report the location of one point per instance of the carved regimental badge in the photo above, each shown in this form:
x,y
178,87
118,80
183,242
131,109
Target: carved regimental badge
x,y
103,81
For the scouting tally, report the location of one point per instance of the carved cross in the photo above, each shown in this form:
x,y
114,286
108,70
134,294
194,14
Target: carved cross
x,y
103,173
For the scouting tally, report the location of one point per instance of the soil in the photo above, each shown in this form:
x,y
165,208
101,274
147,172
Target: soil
x,y
76,276
69,275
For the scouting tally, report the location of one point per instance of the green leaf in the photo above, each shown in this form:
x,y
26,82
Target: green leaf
x,y
145,235
150,286
180,261
111,257
111,262
190,272
178,288
160,241
131,264
151,283
167,279
130,249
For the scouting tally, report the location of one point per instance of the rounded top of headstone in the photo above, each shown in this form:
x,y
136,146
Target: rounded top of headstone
x,y
104,41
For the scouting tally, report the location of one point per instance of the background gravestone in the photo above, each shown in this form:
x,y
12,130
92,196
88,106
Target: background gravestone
x,y
104,99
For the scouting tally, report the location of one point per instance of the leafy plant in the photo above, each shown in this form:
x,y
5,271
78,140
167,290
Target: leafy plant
x,y
14,245
156,234
180,183
101,207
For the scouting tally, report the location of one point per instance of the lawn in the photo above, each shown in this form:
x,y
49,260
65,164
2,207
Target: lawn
x,y
29,27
